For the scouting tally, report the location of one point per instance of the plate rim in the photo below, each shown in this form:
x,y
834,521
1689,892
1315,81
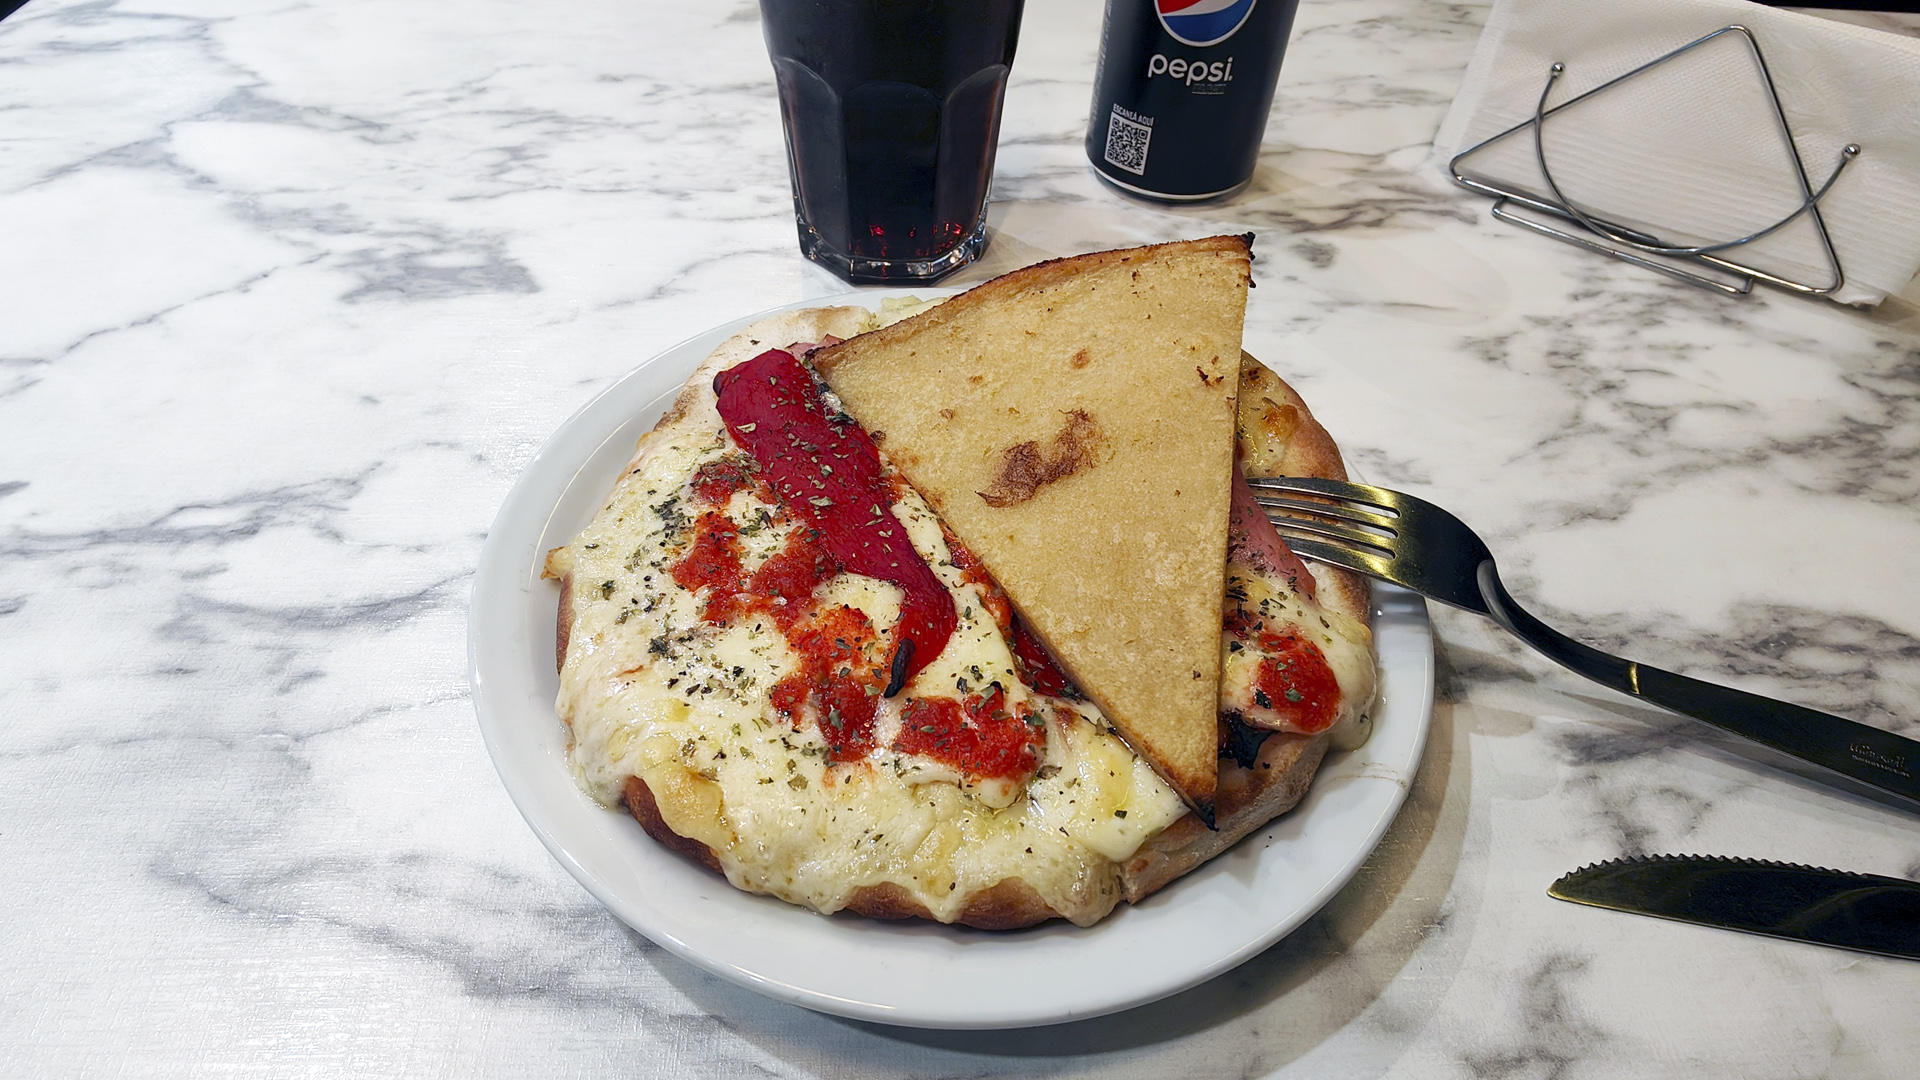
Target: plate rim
x,y
499,568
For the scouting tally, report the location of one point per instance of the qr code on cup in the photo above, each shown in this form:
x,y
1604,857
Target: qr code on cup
x,y
1127,140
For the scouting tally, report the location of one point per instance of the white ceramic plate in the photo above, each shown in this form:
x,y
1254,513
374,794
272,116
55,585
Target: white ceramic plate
x,y
913,972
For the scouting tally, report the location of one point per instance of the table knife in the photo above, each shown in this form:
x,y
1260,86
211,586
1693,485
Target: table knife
x,y
1863,912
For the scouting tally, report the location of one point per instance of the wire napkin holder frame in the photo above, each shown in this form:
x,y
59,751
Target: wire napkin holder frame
x,y
1593,231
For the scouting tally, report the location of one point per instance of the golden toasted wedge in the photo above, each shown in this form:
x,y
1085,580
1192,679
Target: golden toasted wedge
x,y
1073,423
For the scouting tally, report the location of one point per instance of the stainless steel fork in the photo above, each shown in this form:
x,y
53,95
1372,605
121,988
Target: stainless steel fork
x,y
1417,545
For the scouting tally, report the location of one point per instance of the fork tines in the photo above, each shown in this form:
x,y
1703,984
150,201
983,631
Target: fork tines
x,y
1351,515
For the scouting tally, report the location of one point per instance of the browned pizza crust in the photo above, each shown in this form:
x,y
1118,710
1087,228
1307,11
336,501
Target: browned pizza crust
x,y
1009,905
564,617
1278,780
640,803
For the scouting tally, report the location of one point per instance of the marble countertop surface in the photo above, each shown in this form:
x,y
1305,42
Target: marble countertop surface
x,y
291,292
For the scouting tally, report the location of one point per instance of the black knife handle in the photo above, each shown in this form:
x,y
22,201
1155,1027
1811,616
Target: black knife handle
x,y
1867,755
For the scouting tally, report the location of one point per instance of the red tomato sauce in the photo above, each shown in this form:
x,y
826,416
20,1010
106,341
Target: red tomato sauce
x,y
717,480
980,735
786,581
712,562
1296,683
840,674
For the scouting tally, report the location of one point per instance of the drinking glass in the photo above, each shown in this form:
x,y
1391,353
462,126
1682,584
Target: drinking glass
x,y
892,111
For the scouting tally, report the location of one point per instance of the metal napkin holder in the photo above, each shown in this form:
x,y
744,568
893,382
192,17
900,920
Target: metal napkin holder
x,y
1593,231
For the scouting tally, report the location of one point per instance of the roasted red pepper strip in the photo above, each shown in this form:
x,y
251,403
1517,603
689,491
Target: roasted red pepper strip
x,y
825,469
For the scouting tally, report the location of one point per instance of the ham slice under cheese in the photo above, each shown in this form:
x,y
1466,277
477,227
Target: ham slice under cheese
x,y
1253,542
1286,664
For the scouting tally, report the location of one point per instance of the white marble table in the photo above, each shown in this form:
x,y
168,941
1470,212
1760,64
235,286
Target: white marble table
x,y
289,293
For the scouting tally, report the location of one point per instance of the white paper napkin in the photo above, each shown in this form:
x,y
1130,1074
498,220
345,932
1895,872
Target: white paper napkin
x,y
1691,151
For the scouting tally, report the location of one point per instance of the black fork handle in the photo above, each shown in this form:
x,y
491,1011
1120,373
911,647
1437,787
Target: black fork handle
x,y
1881,760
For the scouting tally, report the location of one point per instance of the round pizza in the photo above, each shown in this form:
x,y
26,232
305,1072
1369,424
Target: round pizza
x,y
799,652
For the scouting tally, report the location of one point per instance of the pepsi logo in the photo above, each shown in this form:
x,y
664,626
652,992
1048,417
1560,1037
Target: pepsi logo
x,y
1202,22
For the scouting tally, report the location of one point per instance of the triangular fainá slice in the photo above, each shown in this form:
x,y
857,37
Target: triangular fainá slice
x,y
1073,423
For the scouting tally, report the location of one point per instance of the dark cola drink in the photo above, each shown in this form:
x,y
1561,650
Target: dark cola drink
x,y
1181,95
892,111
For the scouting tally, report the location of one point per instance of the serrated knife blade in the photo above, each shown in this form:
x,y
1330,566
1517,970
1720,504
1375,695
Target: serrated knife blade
x,y
1863,912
